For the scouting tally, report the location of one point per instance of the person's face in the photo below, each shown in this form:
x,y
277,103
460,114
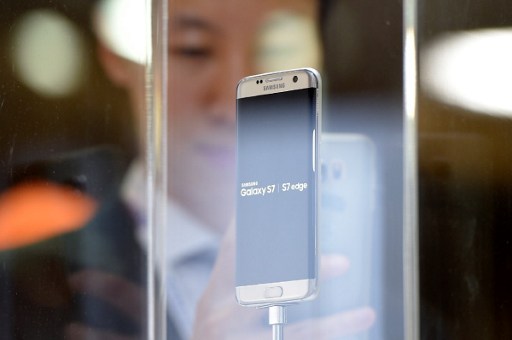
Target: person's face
x,y
212,45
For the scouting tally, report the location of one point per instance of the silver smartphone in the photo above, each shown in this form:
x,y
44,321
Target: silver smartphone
x,y
278,123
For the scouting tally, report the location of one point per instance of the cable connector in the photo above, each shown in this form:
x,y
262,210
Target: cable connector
x,y
277,318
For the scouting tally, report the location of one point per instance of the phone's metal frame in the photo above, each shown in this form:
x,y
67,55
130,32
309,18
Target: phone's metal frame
x,y
295,290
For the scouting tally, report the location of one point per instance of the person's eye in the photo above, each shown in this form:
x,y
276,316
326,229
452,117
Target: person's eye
x,y
192,52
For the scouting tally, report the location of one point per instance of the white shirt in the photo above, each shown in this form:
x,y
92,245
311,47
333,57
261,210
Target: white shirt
x,y
189,255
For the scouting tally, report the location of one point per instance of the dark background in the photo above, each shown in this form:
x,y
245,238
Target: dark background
x,y
465,197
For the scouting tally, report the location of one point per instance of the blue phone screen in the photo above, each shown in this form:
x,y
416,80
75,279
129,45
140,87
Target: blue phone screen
x,y
276,188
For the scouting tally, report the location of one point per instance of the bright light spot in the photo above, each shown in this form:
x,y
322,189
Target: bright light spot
x,y
287,41
472,70
121,26
48,53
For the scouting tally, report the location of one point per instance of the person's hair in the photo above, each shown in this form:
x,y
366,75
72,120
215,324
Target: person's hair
x,y
323,9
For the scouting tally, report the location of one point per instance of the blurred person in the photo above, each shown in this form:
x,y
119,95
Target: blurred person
x,y
212,45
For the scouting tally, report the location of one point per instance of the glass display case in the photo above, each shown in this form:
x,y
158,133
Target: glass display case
x,y
118,159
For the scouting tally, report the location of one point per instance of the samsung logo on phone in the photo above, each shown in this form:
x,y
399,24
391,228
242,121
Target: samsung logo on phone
x,y
273,87
249,184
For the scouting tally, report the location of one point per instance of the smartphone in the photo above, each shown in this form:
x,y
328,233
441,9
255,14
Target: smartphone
x,y
349,225
278,123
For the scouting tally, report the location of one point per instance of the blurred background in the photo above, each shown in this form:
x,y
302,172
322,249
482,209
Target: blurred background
x,y
54,97
465,168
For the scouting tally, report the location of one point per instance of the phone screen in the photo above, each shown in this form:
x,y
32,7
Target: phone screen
x,y
276,189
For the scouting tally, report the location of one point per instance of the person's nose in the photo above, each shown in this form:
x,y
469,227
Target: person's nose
x,y
223,91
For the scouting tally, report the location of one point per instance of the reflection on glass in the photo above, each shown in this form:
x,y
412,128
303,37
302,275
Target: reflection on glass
x,y
48,53
349,221
121,25
36,211
452,72
286,41
464,148
70,265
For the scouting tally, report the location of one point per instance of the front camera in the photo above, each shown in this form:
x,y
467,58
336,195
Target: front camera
x,y
295,78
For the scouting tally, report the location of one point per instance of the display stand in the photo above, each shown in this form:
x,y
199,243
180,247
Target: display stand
x,y
277,319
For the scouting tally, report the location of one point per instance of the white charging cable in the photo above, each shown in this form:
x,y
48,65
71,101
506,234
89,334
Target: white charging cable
x,y
277,319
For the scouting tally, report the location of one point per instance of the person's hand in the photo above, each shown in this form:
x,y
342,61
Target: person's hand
x,y
123,296
219,316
